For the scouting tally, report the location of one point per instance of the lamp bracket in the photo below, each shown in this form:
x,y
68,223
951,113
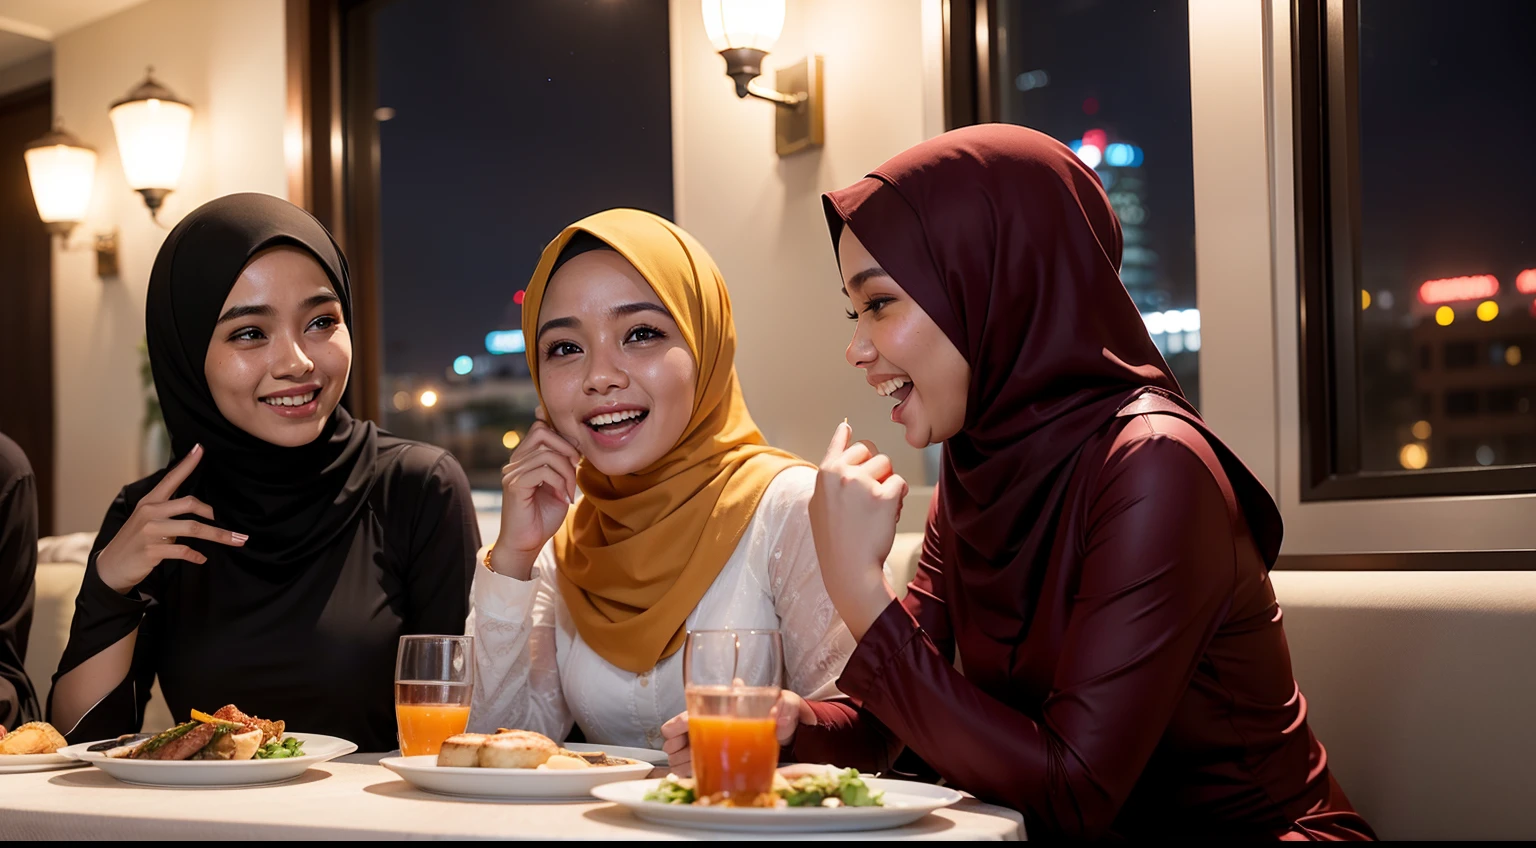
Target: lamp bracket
x,y
154,198
797,92
105,247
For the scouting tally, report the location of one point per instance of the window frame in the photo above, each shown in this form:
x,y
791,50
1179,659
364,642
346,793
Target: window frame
x,y
332,154
1246,201
1325,80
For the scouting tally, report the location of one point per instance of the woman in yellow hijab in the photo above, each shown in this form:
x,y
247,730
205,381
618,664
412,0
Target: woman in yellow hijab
x,y
687,519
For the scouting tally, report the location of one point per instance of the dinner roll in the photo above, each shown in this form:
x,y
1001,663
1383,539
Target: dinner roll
x,y
521,749
461,751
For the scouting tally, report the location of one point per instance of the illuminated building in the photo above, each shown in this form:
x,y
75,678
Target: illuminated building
x,y
1474,375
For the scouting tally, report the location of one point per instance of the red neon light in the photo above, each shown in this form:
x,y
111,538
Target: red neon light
x,y
1525,281
1096,138
517,297
1459,288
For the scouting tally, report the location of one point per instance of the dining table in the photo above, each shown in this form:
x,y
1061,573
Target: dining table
x,y
356,798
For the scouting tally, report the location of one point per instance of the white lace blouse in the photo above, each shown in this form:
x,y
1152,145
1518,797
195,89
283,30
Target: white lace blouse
x,y
536,672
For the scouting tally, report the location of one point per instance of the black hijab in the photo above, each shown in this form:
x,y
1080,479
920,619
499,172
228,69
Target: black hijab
x,y
292,501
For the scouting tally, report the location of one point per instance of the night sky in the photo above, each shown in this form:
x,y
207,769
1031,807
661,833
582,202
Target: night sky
x,y
1447,140
511,120
1132,58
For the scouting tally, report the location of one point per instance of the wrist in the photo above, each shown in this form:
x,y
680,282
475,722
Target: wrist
x,y
867,606
109,576
510,562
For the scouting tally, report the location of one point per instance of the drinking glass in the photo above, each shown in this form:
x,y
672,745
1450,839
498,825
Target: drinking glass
x,y
731,679
434,684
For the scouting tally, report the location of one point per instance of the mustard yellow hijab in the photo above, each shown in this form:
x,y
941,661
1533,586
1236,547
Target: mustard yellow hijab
x,y
639,551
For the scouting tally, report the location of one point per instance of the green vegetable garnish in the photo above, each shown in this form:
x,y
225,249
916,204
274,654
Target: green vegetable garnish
x,y
811,790
845,786
672,791
157,742
289,747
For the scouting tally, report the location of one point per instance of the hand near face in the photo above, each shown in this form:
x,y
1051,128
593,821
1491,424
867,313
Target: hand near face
x,y
153,532
538,486
854,511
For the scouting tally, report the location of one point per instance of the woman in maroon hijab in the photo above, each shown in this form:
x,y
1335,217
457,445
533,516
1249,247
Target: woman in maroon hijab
x,y
1096,559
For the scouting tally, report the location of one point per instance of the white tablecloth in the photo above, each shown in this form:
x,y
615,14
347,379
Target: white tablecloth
x,y
349,800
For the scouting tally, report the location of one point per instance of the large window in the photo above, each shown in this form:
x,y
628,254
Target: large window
x,y
477,131
1414,120
1111,79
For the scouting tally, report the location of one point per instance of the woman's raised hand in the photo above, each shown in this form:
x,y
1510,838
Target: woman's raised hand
x,y
854,511
538,486
151,533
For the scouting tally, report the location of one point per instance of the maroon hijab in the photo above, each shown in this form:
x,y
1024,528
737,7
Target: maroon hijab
x,y
1007,240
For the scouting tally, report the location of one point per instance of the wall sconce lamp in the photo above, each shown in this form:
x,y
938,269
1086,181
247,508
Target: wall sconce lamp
x,y
743,31
152,126
62,171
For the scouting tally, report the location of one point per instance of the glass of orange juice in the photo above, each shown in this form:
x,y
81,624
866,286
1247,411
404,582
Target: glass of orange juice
x,y
731,679
434,684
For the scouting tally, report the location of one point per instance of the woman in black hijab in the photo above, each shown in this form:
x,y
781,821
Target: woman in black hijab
x,y
275,564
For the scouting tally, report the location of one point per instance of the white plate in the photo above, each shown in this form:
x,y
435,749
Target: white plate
x,y
20,763
423,772
905,802
317,749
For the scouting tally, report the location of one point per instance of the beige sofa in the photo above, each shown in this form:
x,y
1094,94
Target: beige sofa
x,y
1419,684
60,568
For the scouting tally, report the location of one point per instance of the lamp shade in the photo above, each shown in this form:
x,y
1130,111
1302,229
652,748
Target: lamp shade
x,y
62,171
734,24
152,127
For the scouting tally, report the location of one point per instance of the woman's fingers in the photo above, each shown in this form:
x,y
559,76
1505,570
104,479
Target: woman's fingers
x,y
675,744
530,479
175,477
194,529
878,467
840,439
169,551
181,506
541,435
675,726
859,452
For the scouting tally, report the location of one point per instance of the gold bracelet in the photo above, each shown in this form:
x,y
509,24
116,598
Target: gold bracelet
x,y
487,561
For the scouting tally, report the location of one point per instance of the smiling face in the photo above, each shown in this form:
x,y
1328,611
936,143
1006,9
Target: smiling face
x,y
615,373
280,354
904,354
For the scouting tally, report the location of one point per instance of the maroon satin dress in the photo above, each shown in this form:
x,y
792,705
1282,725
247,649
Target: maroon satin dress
x,y
1151,695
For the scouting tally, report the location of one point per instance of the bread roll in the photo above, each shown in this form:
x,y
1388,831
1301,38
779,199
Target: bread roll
x,y
34,737
522,749
461,751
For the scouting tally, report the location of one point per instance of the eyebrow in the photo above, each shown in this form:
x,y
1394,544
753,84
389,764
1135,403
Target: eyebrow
x,y
619,311
858,280
266,311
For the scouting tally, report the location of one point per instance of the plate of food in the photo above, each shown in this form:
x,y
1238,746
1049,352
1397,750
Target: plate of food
x,y
803,799
224,748
515,765
34,746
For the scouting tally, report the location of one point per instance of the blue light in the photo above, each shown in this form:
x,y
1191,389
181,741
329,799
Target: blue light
x,y
1136,156
1075,144
505,341
1118,155
463,365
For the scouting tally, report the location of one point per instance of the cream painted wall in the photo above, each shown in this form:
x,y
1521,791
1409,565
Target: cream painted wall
x,y
227,59
760,216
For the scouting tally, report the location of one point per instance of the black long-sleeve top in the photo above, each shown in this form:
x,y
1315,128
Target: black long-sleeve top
x,y
18,570
315,648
